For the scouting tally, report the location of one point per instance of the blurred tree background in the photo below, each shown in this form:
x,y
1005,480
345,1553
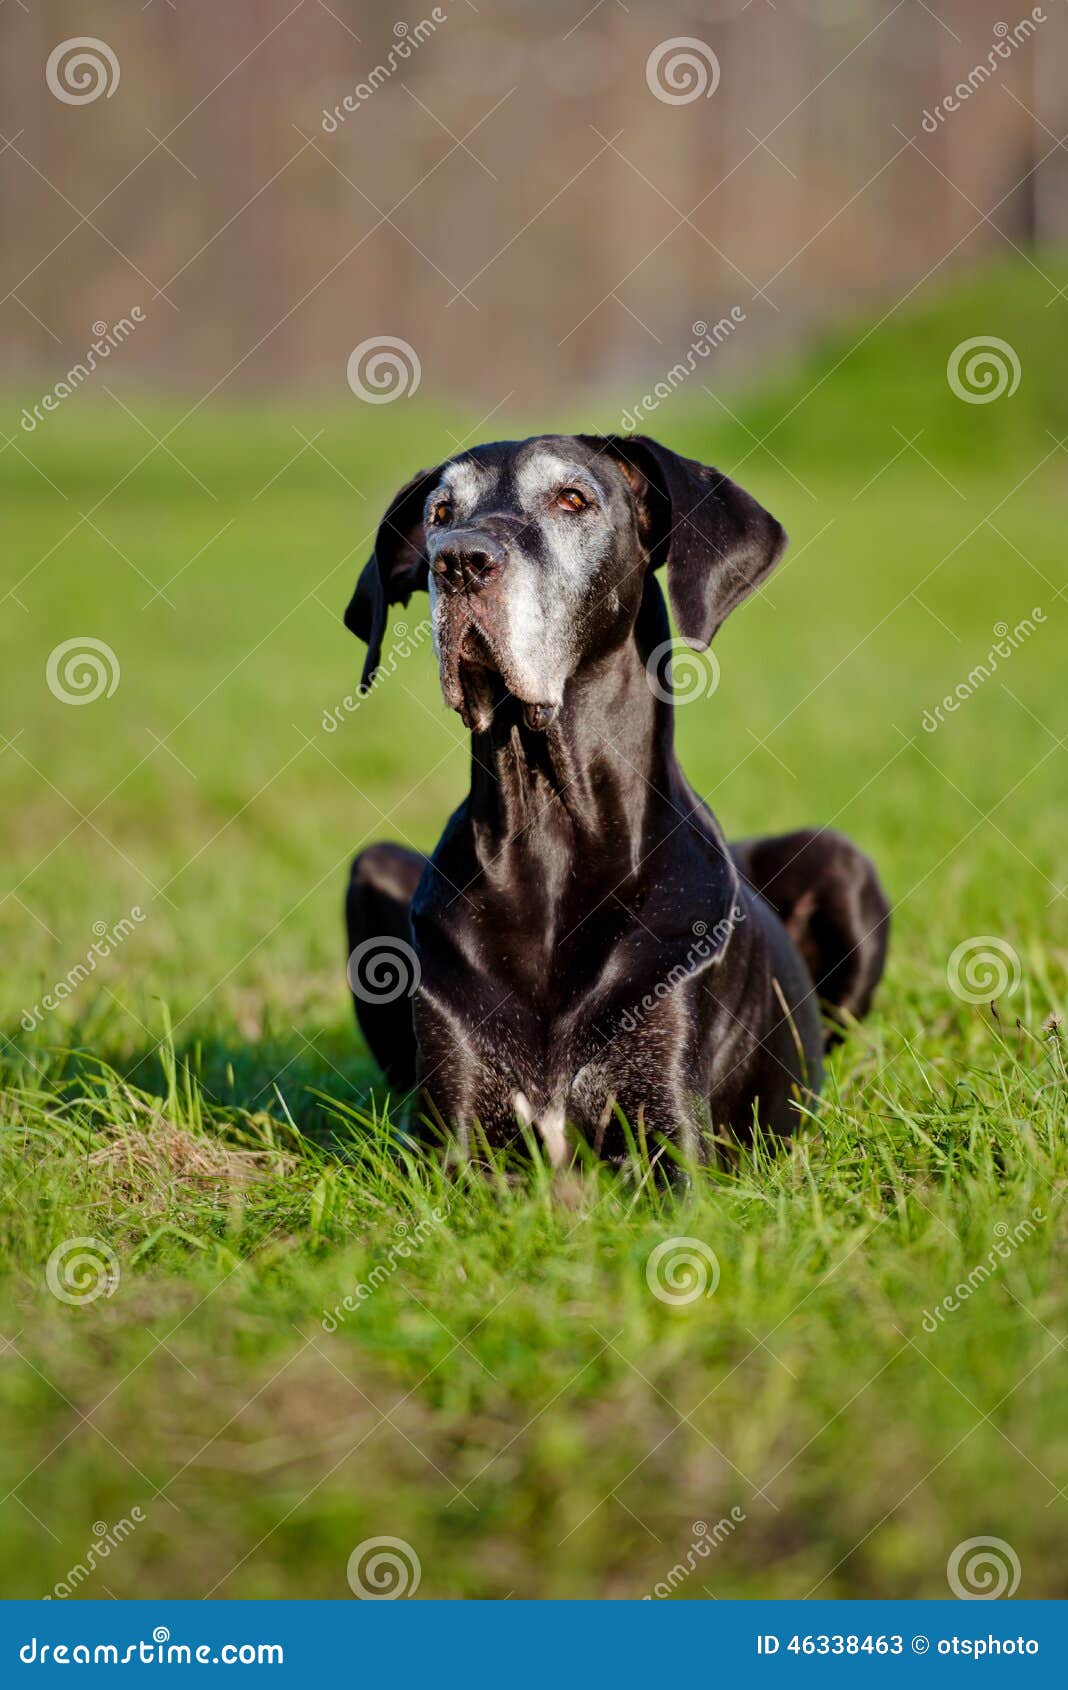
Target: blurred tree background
x,y
511,199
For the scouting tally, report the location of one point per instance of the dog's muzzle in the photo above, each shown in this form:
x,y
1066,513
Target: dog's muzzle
x,y
467,561
472,630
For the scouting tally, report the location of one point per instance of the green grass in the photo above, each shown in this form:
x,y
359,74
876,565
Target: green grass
x,y
510,1398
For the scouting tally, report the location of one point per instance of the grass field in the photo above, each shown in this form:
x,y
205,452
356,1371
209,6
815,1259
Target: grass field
x,y
508,1396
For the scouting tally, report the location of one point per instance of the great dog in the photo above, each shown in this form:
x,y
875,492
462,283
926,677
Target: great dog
x,y
586,942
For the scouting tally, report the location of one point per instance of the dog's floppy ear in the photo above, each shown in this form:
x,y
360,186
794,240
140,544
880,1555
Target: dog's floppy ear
x,y
394,571
717,541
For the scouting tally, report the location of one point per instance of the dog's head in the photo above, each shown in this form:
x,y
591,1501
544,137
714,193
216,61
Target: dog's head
x,y
536,554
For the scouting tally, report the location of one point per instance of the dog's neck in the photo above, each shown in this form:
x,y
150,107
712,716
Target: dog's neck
x,y
602,776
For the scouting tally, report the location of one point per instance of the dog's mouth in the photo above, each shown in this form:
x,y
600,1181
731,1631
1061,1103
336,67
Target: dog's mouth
x,y
472,678
476,677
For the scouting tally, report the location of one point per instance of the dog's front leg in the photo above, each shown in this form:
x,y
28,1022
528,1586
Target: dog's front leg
x,y
467,1100
624,1111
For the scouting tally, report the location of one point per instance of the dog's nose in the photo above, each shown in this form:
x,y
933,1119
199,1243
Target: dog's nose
x,y
465,563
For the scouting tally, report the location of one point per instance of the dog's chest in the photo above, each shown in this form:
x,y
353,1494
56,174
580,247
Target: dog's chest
x,y
518,1064
541,1006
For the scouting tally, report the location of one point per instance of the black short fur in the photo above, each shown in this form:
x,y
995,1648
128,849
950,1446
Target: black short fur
x,y
586,939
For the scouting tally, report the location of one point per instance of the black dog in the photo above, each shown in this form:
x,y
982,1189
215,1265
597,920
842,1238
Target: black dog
x,y
585,941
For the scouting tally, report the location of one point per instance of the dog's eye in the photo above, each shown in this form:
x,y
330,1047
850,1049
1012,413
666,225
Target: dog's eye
x,y
570,499
441,512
